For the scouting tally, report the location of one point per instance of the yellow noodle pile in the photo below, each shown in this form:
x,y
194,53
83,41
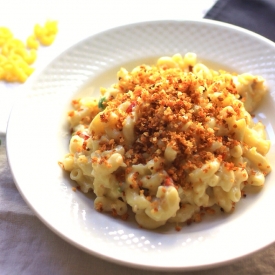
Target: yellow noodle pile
x,y
16,57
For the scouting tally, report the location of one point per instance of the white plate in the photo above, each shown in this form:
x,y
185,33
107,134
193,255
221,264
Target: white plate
x,y
38,137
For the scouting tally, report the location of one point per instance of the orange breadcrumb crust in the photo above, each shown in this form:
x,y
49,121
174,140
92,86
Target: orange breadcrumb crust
x,y
164,99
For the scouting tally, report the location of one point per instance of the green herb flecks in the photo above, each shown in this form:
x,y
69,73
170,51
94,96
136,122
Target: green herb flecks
x,y
102,103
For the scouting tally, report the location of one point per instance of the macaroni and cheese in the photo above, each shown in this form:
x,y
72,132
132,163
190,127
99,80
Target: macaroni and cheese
x,y
169,141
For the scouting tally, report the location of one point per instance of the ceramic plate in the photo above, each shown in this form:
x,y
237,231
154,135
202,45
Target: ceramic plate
x,y
38,137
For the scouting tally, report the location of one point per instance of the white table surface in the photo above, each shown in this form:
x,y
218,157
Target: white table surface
x,y
27,246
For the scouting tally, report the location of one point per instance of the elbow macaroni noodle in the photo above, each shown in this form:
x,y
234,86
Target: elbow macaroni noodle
x,y
169,141
16,57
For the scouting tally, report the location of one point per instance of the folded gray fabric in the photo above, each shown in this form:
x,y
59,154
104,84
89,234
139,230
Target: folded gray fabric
x,y
255,15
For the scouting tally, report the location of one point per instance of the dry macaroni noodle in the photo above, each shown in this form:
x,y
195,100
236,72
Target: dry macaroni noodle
x,y
16,57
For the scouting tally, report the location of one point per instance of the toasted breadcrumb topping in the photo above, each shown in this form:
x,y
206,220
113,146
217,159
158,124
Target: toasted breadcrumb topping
x,y
173,109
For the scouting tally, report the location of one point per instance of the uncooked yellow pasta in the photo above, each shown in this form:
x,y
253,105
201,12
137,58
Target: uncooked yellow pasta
x,y
16,56
46,34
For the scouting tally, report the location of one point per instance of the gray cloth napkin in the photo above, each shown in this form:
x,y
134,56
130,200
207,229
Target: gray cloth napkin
x,y
255,15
